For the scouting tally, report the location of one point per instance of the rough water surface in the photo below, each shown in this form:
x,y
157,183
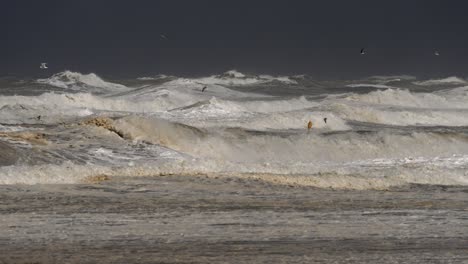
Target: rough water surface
x,y
186,219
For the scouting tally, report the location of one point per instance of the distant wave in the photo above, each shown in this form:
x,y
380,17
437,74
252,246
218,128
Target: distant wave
x,y
382,79
401,117
403,97
79,81
236,78
232,77
157,77
234,74
391,77
379,86
449,80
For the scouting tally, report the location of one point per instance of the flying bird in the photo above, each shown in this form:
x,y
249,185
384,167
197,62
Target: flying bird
x,y
43,66
163,36
363,51
203,89
436,53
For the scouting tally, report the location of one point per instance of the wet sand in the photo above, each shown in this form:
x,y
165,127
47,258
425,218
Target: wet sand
x,y
181,219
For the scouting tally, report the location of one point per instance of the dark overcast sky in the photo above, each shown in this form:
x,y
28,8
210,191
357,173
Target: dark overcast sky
x,y
321,38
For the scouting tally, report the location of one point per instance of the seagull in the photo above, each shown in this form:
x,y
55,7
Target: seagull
x,y
163,36
203,89
363,51
436,53
43,65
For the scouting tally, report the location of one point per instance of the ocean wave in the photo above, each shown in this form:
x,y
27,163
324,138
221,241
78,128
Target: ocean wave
x,y
215,106
297,120
219,125
305,147
405,98
235,78
448,80
350,159
391,78
337,177
157,77
55,108
81,82
278,105
401,117
379,86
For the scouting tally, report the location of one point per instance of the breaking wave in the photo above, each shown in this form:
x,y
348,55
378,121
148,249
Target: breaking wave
x,y
323,177
379,86
405,98
373,133
343,160
448,80
81,82
235,78
240,145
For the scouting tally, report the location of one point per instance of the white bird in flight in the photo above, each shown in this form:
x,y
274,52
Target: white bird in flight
x,y
43,65
436,53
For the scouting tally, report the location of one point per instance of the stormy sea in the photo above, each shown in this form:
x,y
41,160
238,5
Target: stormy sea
x,y
233,168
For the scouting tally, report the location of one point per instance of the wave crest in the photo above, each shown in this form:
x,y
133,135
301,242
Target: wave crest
x,y
79,81
448,80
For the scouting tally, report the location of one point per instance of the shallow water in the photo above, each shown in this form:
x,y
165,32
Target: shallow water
x,y
187,219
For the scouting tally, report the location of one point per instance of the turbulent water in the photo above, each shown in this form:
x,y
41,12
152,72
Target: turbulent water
x,y
379,132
